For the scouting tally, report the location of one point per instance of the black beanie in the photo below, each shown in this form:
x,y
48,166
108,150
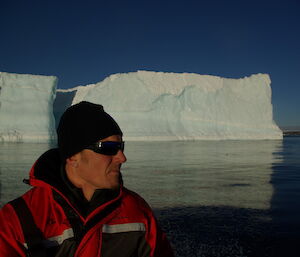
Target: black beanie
x,y
81,125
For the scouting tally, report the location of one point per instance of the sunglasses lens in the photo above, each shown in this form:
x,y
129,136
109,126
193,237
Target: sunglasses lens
x,y
109,148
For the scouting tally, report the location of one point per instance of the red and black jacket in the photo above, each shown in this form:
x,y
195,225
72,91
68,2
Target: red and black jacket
x,y
122,226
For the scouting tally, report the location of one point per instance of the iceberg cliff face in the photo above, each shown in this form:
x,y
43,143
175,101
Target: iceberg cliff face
x,y
26,108
172,106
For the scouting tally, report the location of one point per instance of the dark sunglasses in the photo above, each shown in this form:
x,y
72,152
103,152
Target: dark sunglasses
x,y
107,147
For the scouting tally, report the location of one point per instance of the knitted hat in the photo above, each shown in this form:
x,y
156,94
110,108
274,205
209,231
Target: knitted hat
x,y
81,125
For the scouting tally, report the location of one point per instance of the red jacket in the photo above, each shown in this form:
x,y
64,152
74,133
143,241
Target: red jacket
x,y
123,226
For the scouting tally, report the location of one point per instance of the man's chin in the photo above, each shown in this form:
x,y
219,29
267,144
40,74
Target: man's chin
x,y
117,181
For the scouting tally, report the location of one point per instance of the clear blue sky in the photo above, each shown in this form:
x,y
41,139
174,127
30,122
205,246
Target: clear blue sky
x,y
82,42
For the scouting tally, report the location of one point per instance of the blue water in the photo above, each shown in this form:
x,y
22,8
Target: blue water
x,y
213,198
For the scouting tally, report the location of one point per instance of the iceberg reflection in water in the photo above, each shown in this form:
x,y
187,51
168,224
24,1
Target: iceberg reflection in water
x,y
210,173
213,198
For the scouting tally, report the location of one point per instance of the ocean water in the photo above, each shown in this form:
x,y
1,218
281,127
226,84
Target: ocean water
x,y
212,198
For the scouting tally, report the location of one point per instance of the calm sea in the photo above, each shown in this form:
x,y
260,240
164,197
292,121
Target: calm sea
x,y
213,198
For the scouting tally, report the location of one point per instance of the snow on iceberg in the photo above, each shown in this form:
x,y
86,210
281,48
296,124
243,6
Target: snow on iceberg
x,y
172,106
26,108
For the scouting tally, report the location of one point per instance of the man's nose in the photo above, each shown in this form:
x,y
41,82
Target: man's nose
x,y
120,156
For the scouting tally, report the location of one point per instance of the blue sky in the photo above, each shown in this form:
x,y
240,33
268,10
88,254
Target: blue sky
x,y
82,42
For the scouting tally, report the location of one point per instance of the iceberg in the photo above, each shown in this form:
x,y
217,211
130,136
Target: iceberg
x,y
26,108
182,106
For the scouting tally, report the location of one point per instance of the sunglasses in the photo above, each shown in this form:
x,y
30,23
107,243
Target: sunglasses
x,y
107,147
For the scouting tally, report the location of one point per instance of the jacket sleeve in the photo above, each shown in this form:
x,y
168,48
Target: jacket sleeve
x,y
11,235
154,242
156,239
161,247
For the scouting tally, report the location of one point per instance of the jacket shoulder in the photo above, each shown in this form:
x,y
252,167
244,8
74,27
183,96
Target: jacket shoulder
x,y
11,233
134,202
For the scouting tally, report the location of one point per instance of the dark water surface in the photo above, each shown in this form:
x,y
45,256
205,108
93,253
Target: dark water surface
x,y
213,198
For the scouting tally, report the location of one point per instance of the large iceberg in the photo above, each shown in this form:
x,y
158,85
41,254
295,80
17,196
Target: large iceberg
x,y
172,106
26,108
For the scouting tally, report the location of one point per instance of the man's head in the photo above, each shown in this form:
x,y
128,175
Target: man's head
x,y
82,125
90,143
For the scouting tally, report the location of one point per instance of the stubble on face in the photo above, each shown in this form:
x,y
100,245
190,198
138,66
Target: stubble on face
x,y
90,171
102,171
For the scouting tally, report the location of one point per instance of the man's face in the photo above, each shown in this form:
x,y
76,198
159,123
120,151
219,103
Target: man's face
x,y
98,171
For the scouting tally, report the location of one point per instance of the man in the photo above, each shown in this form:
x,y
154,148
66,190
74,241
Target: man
x,y
78,205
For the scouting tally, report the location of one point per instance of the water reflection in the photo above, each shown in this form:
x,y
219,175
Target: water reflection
x,y
15,161
210,173
174,174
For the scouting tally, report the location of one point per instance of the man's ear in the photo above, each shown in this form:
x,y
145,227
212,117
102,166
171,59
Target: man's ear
x,y
72,161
